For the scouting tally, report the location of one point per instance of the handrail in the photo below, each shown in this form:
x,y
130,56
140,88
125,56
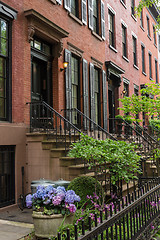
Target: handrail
x,y
127,124
149,136
44,117
90,121
53,110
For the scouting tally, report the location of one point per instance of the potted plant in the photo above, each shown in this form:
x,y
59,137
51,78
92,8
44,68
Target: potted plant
x,y
52,207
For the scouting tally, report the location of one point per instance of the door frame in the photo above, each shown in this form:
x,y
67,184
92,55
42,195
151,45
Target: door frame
x,y
48,59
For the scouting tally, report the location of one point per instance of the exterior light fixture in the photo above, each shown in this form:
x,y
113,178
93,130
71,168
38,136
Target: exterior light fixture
x,y
65,65
124,91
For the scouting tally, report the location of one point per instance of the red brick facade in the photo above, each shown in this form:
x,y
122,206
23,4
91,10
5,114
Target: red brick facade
x,y
53,24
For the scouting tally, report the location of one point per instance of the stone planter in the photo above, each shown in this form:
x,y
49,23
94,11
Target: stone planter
x,y
46,226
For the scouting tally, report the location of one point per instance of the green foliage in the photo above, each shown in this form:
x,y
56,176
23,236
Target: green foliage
x,y
155,124
84,186
123,160
148,101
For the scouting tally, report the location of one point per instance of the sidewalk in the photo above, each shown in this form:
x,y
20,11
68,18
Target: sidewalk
x,y
15,224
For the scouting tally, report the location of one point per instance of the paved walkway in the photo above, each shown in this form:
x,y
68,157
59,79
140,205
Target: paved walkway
x,y
15,224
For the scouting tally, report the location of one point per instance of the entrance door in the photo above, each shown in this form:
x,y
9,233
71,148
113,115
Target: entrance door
x,y
7,175
40,83
111,102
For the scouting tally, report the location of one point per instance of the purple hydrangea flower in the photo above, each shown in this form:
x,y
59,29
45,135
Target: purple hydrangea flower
x,y
56,200
29,201
70,196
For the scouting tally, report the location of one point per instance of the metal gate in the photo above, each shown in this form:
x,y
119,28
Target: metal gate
x,y
7,175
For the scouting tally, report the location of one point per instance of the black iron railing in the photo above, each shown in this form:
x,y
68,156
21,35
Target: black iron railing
x,y
44,118
146,144
136,216
87,125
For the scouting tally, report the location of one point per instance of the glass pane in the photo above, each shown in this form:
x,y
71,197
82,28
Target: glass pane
x,y
37,45
3,46
3,29
46,48
2,108
2,87
2,67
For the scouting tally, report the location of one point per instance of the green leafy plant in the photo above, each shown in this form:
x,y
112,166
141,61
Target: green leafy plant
x,y
83,186
124,163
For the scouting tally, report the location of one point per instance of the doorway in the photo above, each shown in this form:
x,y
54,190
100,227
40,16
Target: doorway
x,y
39,81
111,103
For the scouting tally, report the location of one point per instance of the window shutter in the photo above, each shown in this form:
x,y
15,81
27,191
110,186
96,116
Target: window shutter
x,y
84,11
104,100
90,13
67,5
68,84
85,92
102,20
92,93
59,2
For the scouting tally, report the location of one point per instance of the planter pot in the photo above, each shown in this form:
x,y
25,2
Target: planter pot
x,y
46,226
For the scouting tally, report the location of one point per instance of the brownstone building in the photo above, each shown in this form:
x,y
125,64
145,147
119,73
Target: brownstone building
x,y
99,40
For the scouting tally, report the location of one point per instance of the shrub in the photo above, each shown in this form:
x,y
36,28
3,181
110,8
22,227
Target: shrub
x,y
84,186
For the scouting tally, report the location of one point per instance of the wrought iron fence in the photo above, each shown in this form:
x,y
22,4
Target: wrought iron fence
x,y
87,125
44,118
146,144
136,216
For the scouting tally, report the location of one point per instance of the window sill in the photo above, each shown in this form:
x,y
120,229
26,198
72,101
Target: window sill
x,y
149,37
155,45
135,19
53,1
135,66
125,58
113,49
75,18
144,73
96,35
124,5
150,78
142,28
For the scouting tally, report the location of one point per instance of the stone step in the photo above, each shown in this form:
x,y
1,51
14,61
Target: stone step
x,y
58,152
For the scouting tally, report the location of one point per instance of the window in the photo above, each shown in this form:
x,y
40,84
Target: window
x,y
75,87
124,41
78,8
126,89
154,35
74,7
156,71
4,69
148,27
134,51
132,7
95,16
143,58
150,65
97,95
141,19
111,29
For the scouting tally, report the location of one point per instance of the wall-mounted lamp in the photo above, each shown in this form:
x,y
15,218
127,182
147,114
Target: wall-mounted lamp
x,y
124,91
65,65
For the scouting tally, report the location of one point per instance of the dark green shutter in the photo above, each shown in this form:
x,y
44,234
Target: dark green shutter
x,y
102,20
104,100
90,13
85,93
84,11
67,5
68,84
92,92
